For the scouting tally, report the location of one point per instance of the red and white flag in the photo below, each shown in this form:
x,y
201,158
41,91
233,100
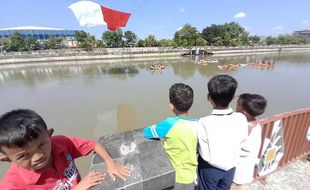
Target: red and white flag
x,y
91,14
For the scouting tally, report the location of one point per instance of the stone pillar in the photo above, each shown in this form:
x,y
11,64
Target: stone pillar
x,y
150,166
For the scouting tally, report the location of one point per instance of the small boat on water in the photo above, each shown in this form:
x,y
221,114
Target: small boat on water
x,y
267,64
230,67
212,60
157,66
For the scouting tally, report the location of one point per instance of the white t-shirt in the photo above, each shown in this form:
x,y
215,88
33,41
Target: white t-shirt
x,y
249,155
220,136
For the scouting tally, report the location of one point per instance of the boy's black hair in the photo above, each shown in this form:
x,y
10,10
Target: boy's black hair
x,y
181,96
18,127
222,89
253,104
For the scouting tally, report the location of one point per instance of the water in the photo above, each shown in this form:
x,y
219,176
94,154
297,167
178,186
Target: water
x,y
95,99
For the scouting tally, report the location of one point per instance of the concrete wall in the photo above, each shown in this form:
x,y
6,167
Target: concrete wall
x,y
134,53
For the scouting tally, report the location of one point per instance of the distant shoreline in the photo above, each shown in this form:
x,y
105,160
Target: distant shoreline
x,y
108,55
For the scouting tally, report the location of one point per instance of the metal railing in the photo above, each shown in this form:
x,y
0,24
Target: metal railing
x,y
295,126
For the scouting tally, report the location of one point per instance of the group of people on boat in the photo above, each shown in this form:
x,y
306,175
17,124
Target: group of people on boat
x,y
263,63
206,62
157,66
230,67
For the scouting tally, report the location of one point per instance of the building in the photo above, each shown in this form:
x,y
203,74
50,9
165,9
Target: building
x,y
303,33
40,33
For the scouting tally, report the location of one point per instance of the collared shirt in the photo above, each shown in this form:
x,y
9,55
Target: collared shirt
x,y
180,143
64,176
220,136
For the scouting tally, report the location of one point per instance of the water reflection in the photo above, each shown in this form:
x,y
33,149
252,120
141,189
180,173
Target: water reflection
x,y
181,67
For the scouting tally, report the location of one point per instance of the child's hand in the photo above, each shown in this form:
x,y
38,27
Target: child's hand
x,y
90,180
118,170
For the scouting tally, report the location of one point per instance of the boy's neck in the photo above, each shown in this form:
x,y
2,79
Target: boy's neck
x,y
220,108
251,119
181,114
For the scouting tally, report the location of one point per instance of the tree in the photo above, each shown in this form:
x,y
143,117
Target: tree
x,y
150,41
165,43
228,34
53,43
270,40
85,40
254,39
187,36
130,39
16,43
113,39
141,43
31,44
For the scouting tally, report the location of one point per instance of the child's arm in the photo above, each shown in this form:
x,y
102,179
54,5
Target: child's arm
x,y
113,168
90,180
159,130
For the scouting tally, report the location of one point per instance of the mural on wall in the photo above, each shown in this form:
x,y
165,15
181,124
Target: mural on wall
x,y
273,150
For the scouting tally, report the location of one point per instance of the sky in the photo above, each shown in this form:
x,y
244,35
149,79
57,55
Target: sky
x,y
162,18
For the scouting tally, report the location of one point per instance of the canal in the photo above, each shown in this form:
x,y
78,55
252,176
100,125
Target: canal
x,y
90,100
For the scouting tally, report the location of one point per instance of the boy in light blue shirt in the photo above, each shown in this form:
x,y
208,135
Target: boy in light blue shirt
x,y
180,137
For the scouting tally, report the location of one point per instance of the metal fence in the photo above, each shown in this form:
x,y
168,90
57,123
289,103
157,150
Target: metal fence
x,y
292,136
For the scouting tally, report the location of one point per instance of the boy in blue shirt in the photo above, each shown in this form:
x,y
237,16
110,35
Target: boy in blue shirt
x,y
180,137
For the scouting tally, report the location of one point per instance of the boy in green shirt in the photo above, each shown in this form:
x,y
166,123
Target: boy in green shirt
x,y
180,137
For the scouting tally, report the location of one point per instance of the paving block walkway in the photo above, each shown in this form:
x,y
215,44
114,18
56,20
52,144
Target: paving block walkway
x,y
295,176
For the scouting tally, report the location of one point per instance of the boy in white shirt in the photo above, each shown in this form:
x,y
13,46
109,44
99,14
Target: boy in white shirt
x,y
220,135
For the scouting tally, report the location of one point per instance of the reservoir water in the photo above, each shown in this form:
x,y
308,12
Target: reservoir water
x,y
90,100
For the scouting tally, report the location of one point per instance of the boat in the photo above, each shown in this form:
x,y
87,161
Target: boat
x,y
267,64
212,60
157,66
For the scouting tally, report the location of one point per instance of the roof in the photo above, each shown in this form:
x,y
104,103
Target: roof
x,y
30,28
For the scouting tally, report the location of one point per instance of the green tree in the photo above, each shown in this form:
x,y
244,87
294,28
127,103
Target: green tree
x,y
53,43
228,34
85,40
270,40
187,36
165,43
113,39
130,39
16,43
254,39
31,44
150,41
141,43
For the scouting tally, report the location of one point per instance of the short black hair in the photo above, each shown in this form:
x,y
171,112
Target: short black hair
x,y
222,89
181,96
253,104
18,127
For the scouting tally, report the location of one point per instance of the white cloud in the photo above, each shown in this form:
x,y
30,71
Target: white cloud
x,y
278,28
182,10
240,15
305,21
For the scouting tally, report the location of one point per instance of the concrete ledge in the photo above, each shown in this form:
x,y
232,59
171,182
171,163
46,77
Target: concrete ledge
x,y
150,166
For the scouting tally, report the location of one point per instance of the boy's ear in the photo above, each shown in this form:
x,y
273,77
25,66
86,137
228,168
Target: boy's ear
x,y
50,132
171,106
5,159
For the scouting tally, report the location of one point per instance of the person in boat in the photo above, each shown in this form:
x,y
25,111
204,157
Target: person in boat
x,y
157,66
